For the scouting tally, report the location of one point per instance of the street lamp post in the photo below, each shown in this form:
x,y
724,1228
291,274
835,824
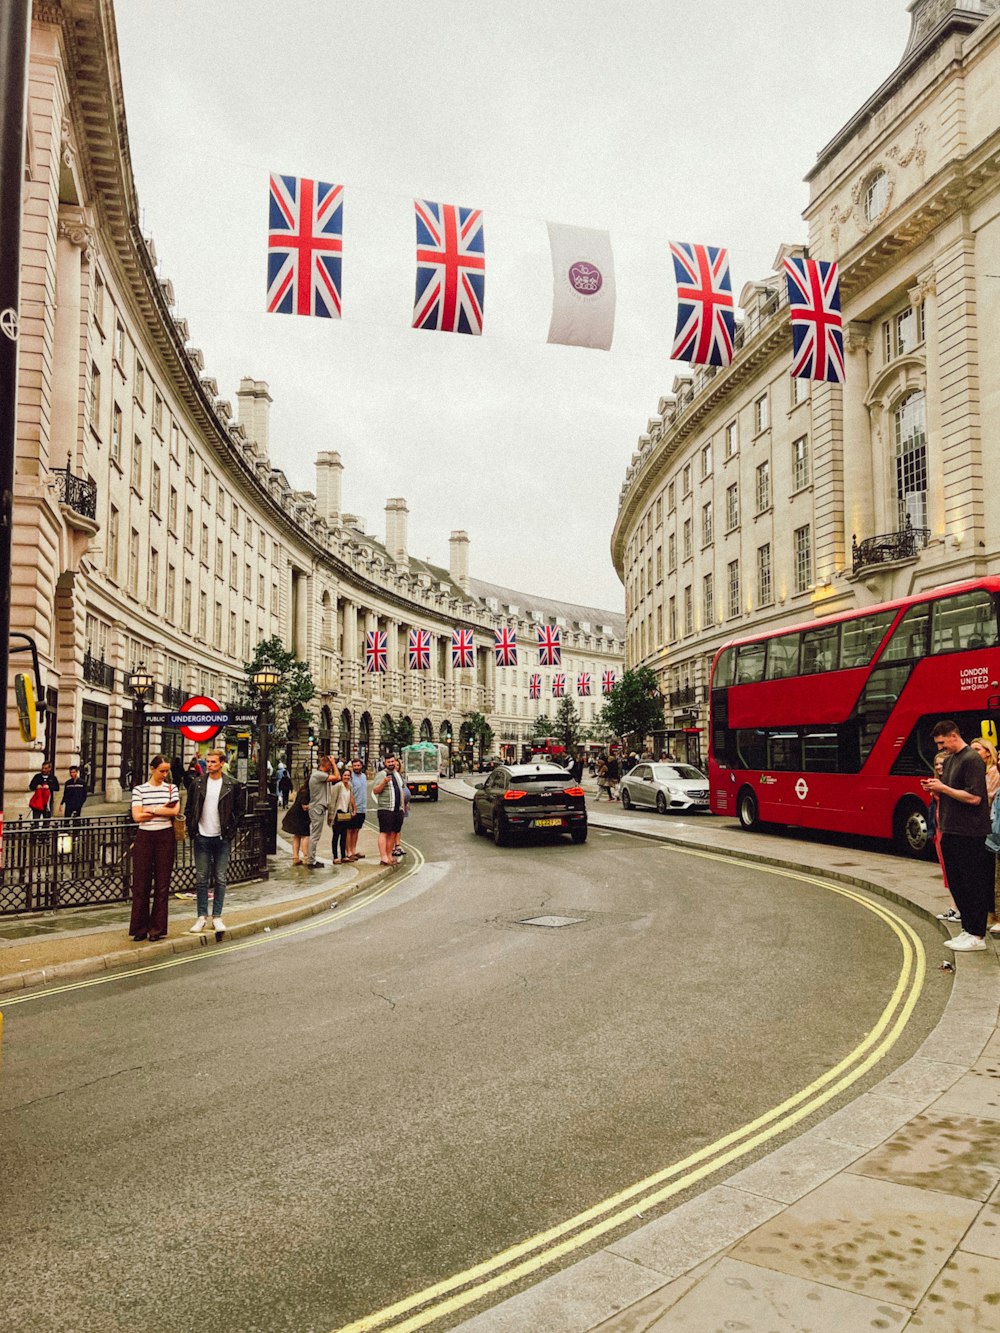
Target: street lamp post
x,y
141,684
265,681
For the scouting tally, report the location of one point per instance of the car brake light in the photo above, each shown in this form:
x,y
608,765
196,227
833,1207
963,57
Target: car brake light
x,y
573,791
514,794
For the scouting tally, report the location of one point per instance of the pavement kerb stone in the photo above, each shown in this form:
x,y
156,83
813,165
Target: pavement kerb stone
x,y
524,1310
185,943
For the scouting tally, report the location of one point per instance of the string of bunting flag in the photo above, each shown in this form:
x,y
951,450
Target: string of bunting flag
x,y
505,649
305,259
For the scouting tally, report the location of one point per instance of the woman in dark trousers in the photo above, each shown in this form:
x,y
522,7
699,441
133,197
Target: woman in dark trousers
x,y
155,805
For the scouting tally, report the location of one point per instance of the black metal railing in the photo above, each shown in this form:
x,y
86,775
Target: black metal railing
x,y
75,863
685,697
173,696
888,546
97,672
77,492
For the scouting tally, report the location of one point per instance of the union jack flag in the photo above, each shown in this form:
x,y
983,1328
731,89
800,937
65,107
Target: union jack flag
x,y
376,651
535,686
506,647
706,319
451,268
817,324
583,684
419,644
305,241
549,645
463,652
608,682
559,685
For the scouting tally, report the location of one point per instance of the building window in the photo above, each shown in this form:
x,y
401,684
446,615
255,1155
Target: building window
x,y
133,563
732,440
732,506
158,414
260,591
95,397
155,488
672,620
234,571
803,558
119,352
116,435
733,587
202,615
659,564
659,625
762,414
203,546
99,293
800,463
137,464
800,390
876,196
902,332
232,634
910,420
707,533
189,529
186,606
708,600
220,557
672,552
217,626
113,527
234,517
706,461
765,596
688,544
671,497
189,465
153,581
140,382
658,510
763,491
171,584
274,599
172,511
686,480
175,442
688,611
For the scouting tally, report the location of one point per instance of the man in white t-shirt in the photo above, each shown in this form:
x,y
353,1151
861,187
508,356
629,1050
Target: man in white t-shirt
x,y
214,806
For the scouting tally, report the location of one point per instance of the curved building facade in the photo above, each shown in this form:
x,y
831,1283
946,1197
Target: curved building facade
x,y
150,524
756,501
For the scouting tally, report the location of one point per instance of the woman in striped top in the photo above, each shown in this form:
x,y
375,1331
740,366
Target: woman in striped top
x,y
154,806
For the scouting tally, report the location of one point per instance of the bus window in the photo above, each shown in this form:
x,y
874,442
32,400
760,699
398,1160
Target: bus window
x,y
784,751
909,638
783,657
861,638
724,669
878,699
751,745
820,751
966,621
820,650
750,663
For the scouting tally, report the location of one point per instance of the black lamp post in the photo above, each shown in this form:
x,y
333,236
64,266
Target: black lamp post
x,y
141,684
266,681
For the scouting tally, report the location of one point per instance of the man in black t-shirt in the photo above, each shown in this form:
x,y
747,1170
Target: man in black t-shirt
x,y
74,794
965,823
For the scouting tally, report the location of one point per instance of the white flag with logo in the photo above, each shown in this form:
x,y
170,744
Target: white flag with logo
x,y
583,287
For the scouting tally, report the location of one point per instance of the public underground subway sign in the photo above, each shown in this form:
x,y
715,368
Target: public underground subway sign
x,y
205,731
802,789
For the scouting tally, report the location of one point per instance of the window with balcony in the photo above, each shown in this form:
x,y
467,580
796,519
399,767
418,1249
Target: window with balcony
x,y
763,488
800,463
732,506
733,588
765,592
707,524
803,558
910,426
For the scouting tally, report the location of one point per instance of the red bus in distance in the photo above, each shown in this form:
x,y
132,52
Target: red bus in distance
x,y
828,725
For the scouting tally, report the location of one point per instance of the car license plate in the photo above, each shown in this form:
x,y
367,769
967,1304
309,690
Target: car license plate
x,y
422,787
547,823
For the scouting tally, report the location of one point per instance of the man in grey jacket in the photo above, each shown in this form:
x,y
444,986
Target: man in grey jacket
x,y
320,779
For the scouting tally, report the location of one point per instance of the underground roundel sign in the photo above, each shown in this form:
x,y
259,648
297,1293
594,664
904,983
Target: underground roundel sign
x,y
198,703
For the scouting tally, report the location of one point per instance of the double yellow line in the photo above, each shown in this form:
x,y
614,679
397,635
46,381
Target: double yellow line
x,y
363,900
547,1247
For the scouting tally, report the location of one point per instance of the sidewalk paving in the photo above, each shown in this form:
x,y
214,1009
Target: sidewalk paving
x,y
886,1215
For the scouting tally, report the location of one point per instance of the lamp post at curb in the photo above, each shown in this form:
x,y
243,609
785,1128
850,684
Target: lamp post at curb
x,y
141,684
265,681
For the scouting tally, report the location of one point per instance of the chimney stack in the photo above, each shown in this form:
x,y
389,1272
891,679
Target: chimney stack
x,y
253,402
458,559
395,529
329,480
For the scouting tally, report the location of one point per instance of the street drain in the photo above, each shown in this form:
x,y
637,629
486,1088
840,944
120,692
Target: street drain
x,y
551,921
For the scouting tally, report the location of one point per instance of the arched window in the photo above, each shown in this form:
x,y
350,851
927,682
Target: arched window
x,y
364,737
446,731
344,747
910,432
426,730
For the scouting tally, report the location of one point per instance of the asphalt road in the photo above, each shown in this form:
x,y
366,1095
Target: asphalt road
x,y
300,1132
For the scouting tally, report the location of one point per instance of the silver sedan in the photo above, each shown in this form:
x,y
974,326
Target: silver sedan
x,y
665,786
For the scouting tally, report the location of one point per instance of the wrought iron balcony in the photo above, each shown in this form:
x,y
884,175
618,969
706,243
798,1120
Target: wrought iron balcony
x,y
77,492
97,672
685,697
888,547
173,695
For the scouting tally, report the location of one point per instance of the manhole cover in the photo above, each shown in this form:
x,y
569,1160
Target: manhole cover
x,y
553,921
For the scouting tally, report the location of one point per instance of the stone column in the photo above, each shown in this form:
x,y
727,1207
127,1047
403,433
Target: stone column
x,y
957,347
75,239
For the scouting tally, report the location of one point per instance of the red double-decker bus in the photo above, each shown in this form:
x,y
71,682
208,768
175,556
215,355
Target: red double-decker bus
x,y
828,725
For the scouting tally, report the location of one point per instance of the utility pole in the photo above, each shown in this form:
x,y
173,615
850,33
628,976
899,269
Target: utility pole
x,y
14,29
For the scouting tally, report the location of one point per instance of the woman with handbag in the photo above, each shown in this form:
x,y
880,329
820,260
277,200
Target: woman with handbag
x,y
342,815
296,822
156,805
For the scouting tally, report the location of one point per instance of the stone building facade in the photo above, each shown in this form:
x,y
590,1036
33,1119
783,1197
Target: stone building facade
x,y
151,526
755,501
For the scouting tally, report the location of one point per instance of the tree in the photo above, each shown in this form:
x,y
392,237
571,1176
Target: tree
x,y
402,732
544,726
566,724
289,698
634,707
480,732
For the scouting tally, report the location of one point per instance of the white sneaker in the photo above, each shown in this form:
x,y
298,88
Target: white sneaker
x,y
198,926
218,924
966,943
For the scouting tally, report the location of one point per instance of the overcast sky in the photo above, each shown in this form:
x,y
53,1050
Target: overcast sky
x,y
659,120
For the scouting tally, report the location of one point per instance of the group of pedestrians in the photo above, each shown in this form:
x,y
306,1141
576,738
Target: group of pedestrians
x,y
963,790
338,798
44,786
608,775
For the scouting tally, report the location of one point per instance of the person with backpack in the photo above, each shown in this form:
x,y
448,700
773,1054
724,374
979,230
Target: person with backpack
x,y
43,786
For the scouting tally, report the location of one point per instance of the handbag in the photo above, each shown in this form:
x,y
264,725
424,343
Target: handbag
x,y
180,828
343,817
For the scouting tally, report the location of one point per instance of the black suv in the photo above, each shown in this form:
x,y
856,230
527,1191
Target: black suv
x,y
525,798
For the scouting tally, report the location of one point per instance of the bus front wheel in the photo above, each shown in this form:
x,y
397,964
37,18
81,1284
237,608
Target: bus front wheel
x,y
910,833
747,810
